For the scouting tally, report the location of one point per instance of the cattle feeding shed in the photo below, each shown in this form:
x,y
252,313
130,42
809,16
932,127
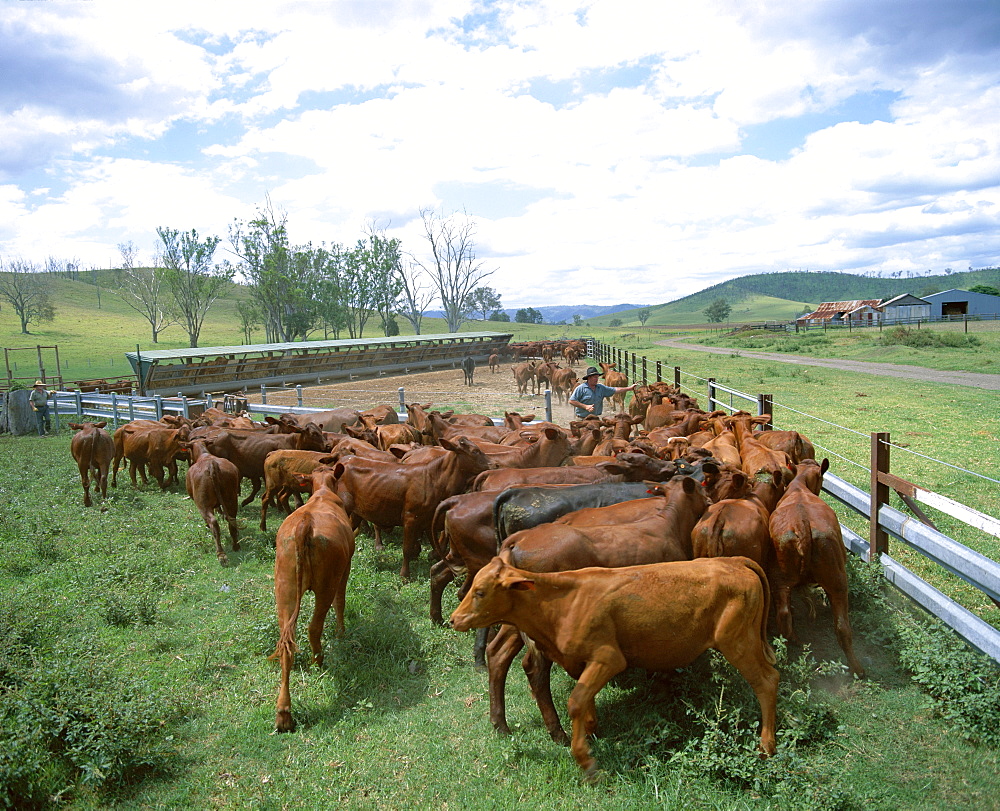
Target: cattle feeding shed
x,y
234,368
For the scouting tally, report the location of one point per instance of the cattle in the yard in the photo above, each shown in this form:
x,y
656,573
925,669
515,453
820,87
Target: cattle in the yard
x,y
93,451
649,530
313,551
213,484
494,363
596,622
468,369
524,374
155,449
809,549
248,449
281,468
333,420
406,495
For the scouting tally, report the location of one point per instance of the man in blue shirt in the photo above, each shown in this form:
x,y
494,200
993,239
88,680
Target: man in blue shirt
x,y
588,398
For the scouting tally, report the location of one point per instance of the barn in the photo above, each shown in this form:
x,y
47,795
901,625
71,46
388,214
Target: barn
x,y
904,309
963,303
234,368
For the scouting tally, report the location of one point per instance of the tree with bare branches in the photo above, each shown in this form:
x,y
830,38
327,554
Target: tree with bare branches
x,y
454,270
144,289
415,297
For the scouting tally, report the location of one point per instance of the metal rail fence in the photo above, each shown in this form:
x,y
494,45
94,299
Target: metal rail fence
x,y
974,568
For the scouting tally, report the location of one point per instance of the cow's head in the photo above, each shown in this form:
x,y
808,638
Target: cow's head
x,y
491,598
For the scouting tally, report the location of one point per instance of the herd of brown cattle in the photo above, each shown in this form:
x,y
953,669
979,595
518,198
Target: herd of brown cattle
x,y
599,547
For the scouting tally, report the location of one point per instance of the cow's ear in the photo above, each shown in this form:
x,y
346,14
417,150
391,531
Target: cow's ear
x,y
688,484
520,584
824,466
100,424
75,426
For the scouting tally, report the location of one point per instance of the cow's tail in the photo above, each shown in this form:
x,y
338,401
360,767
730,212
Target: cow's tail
x,y
765,643
220,501
301,540
439,537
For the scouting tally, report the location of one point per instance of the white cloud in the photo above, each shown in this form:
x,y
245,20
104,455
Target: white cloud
x,y
611,130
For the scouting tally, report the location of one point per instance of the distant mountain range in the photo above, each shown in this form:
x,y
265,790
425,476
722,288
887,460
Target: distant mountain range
x,y
553,315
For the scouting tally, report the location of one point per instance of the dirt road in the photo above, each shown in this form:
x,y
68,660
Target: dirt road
x,y
971,379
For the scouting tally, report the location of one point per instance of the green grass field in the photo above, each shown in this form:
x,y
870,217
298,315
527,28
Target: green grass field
x,y
133,669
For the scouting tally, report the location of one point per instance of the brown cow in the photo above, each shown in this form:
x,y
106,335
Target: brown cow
x,y
280,483
93,449
734,527
248,449
213,484
313,551
406,495
333,420
156,449
809,548
649,530
614,378
494,363
596,622
524,373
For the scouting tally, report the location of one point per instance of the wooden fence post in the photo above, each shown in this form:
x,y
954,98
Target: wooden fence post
x,y
645,380
659,371
677,376
765,406
878,538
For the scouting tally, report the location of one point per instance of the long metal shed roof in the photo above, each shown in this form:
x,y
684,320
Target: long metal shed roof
x,y
298,346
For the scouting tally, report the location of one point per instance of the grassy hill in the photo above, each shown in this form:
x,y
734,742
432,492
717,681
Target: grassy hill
x,y
782,296
93,329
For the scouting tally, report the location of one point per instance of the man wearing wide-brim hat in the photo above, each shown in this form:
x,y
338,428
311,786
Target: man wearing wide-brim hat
x,y
588,398
39,400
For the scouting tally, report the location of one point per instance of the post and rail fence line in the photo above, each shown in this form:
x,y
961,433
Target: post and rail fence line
x,y
884,521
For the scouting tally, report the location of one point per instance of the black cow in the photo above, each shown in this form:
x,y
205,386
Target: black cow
x,y
526,507
469,368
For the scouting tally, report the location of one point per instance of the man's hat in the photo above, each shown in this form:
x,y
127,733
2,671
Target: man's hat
x,y
38,383
591,370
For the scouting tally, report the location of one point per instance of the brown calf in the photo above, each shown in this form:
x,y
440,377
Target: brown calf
x,y
93,449
313,551
596,622
214,485
809,548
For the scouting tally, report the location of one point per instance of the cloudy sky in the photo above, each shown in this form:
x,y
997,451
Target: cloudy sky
x,y
609,151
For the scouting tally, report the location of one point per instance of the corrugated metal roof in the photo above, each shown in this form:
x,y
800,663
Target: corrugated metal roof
x,y
254,349
828,309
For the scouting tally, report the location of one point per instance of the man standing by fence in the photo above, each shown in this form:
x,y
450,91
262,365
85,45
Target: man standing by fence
x,y
588,398
39,399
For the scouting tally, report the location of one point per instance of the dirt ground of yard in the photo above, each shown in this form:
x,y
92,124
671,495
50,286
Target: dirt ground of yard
x,y
491,394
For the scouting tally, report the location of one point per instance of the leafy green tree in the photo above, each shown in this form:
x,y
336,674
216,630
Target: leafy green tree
x,y
266,264
27,291
528,315
577,320
987,289
484,300
250,318
194,281
718,311
643,315
381,260
499,315
615,322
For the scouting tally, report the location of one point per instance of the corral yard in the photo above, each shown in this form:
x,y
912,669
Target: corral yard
x,y
134,673
490,394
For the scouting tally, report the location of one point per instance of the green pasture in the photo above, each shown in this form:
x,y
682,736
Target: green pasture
x,y
93,337
133,669
133,674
